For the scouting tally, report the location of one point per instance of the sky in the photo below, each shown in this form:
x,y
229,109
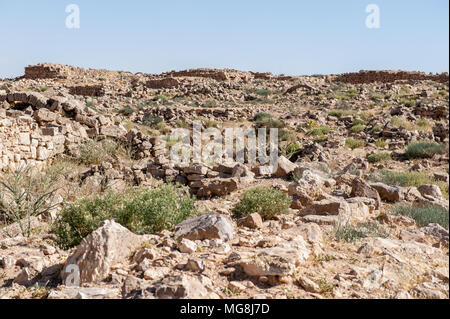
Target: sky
x,y
291,37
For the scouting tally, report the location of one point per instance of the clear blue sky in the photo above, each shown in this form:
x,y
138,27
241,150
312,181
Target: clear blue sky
x,y
284,36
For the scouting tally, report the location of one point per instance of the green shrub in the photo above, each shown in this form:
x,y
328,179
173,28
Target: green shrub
x,y
126,110
409,179
151,121
350,233
424,150
141,211
378,157
381,143
93,152
321,139
210,104
319,131
25,194
357,128
408,102
354,143
376,128
423,215
267,202
292,149
376,97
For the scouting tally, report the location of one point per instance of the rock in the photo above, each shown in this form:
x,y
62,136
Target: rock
x,y
326,207
44,115
430,190
308,284
437,231
196,265
84,293
253,221
187,246
181,287
388,193
285,167
243,174
300,197
208,226
441,176
217,187
105,247
362,189
274,261
113,131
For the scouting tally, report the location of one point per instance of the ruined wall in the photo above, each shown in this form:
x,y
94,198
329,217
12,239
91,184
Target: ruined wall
x,y
43,127
24,142
166,83
217,75
364,77
87,90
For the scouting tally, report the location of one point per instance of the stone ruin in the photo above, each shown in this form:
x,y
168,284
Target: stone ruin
x,y
365,77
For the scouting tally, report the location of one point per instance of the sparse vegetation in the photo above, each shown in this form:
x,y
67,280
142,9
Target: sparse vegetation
x,y
379,157
424,150
350,233
141,211
423,215
409,179
267,202
354,143
26,194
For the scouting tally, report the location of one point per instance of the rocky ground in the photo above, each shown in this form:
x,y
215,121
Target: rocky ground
x,y
346,164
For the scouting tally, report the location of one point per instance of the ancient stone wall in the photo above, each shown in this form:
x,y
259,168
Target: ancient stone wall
x,y
87,90
217,75
166,83
364,77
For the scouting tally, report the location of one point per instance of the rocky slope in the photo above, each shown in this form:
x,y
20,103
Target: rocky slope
x,y
344,163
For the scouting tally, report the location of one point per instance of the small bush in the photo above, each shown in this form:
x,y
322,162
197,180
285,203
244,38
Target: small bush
x,y
354,143
321,139
409,179
292,149
423,215
127,110
93,152
424,150
376,128
357,128
152,121
267,202
319,131
378,157
381,143
141,211
210,104
350,233
25,194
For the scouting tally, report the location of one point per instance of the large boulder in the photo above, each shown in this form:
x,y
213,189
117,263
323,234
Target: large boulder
x,y
208,226
360,188
327,207
276,261
285,167
108,245
182,287
388,193
430,190
216,187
